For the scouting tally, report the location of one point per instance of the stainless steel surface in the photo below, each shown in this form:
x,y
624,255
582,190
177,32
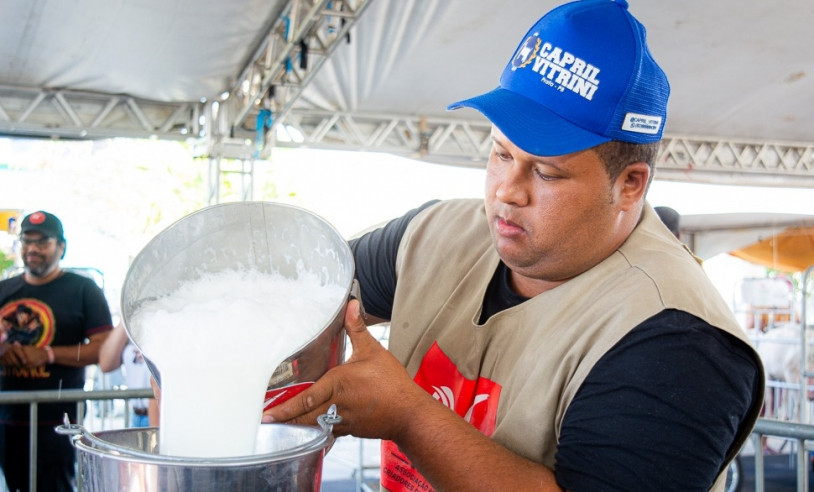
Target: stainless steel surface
x,y
263,236
288,457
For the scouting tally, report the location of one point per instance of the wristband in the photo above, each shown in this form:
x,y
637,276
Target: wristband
x,y
50,352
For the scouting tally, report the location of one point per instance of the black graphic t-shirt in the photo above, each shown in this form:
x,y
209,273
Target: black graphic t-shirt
x,y
62,312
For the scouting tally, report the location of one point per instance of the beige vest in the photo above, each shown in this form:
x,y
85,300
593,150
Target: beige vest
x,y
541,350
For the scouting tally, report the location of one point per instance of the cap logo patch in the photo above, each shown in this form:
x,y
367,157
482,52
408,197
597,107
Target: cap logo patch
x,y
37,218
526,53
642,123
558,69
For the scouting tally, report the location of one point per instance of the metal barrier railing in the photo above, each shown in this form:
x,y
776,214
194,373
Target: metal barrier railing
x,y
34,398
801,433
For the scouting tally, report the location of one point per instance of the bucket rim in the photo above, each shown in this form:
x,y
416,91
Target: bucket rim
x,y
92,443
145,252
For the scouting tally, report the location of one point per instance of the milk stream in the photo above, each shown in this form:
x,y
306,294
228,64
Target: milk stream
x,y
216,342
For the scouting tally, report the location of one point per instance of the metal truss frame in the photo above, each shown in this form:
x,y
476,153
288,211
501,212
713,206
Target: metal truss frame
x,y
302,38
467,143
59,113
740,162
70,114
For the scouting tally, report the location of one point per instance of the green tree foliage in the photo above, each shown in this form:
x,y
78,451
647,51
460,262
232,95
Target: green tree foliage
x,y
5,263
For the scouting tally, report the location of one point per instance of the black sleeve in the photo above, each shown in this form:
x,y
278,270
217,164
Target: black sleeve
x,y
375,256
659,410
97,312
9,287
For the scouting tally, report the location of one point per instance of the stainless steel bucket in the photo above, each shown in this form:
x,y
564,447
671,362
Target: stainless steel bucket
x,y
264,236
288,458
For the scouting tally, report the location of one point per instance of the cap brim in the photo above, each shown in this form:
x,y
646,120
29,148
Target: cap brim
x,y
43,231
530,126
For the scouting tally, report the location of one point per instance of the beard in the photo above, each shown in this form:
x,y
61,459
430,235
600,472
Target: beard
x,y
40,268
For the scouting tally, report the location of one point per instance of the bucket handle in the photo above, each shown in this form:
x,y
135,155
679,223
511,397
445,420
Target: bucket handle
x,y
328,420
77,432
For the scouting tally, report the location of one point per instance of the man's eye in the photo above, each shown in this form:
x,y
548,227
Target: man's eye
x,y
544,176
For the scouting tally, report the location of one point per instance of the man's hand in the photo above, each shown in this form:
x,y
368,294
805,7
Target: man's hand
x,y
372,391
35,356
13,355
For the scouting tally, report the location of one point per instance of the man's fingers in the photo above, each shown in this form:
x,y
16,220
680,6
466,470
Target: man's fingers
x,y
19,353
298,408
305,407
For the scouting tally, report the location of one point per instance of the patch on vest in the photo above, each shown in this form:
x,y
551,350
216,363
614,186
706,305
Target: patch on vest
x,y
475,401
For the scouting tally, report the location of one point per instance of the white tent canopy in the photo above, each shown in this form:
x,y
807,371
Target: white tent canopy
x,y
740,71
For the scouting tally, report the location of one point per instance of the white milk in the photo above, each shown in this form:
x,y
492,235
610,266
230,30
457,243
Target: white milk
x,y
216,342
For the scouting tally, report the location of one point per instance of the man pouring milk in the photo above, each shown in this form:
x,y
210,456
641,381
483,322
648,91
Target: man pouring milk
x,y
553,336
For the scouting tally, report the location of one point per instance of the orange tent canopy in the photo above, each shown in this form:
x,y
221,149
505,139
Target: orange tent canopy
x,y
790,250
783,242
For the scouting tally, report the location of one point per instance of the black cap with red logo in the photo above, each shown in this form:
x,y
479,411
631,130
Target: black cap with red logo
x,y
46,223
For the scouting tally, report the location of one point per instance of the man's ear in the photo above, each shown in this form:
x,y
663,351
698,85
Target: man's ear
x,y
632,184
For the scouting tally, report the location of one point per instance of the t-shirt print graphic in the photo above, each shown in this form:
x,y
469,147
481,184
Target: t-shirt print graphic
x,y
27,322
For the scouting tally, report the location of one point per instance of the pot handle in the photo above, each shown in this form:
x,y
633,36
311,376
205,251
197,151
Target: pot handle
x,y
68,429
77,432
328,420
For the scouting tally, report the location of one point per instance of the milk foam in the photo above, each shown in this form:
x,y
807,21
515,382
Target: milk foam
x,y
216,342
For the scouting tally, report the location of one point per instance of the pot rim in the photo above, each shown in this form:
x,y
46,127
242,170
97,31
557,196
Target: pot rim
x,y
94,443
87,441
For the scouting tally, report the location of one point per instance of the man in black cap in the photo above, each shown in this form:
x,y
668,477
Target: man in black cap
x,y
53,324
671,219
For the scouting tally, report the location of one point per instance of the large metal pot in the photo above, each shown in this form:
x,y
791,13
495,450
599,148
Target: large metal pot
x,y
264,236
288,458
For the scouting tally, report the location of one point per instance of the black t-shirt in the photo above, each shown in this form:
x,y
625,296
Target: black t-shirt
x,y
643,418
62,312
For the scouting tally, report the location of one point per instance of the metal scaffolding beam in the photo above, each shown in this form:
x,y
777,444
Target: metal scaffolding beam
x,y
296,46
57,113
61,113
467,143
754,163
241,125
434,139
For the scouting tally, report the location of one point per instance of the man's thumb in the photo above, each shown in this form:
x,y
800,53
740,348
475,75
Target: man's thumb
x,y
354,323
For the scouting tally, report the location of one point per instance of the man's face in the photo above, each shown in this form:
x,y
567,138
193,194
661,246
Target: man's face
x,y
552,218
40,253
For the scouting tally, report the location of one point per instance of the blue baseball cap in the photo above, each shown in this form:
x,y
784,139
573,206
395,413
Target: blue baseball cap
x,y
582,76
